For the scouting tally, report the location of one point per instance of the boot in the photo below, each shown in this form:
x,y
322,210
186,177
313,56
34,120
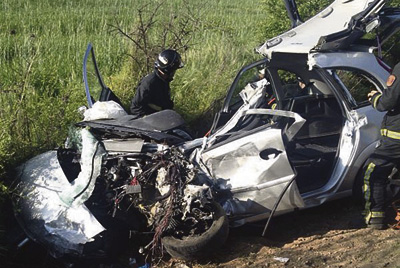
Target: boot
x,y
377,223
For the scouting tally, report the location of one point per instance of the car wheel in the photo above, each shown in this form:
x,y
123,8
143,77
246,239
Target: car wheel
x,y
198,246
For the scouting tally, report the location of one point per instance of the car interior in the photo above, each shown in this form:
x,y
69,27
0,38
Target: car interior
x,y
312,151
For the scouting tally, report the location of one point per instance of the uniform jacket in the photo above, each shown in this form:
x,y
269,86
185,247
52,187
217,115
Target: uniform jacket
x,y
152,95
389,100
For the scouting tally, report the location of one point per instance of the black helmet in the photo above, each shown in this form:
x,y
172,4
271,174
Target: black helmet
x,y
168,61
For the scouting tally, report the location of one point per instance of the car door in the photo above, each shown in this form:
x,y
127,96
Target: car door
x,y
95,88
247,154
354,74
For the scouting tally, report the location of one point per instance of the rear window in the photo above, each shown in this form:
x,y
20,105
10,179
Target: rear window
x,y
357,84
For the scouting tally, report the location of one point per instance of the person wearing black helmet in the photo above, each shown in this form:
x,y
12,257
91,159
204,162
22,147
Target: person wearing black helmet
x,y
153,93
387,152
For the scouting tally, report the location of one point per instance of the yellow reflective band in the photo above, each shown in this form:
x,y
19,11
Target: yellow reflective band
x,y
154,107
367,187
374,214
376,100
390,134
367,218
377,214
273,106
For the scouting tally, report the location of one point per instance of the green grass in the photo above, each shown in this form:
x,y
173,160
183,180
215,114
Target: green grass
x,y
42,43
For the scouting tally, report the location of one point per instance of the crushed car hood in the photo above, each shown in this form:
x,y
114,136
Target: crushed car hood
x,y
343,20
153,126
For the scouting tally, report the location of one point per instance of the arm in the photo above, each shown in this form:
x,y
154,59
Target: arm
x,y
389,98
140,101
385,101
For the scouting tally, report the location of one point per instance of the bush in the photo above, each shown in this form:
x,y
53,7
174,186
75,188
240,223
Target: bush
x,y
276,12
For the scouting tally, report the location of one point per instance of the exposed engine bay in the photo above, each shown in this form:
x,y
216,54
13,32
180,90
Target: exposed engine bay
x,y
156,186
146,193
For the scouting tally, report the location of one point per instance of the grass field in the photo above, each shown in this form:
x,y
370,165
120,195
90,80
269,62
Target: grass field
x,y
41,49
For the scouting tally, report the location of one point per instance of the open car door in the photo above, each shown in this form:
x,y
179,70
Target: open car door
x,y
95,88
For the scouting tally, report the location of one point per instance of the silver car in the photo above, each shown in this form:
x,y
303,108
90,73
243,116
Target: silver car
x,y
294,131
298,123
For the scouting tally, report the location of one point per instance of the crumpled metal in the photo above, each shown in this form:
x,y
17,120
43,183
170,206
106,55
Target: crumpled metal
x,y
63,227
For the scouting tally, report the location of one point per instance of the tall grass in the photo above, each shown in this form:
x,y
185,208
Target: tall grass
x,y
41,49
42,43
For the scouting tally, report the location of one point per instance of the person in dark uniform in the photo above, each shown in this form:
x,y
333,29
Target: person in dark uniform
x,y
153,93
387,152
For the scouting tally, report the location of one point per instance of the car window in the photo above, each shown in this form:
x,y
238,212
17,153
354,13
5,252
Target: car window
x,y
292,84
357,84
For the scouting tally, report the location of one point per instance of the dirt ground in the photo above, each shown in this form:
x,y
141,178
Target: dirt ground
x,y
320,237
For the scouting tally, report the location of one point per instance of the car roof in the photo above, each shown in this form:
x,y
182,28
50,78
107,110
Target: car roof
x,y
338,17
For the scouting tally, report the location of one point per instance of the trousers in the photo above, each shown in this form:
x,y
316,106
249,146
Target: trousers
x,y
377,168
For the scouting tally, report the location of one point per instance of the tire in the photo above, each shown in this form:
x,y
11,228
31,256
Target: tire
x,y
196,247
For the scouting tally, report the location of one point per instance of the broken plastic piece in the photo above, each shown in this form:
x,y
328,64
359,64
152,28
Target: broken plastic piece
x,y
281,259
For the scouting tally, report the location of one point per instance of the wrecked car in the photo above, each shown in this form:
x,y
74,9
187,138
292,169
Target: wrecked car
x,y
294,131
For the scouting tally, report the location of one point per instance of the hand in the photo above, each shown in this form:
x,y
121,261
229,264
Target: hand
x,y
372,93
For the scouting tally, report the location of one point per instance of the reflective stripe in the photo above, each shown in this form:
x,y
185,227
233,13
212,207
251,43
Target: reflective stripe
x,y
374,214
376,100
367,196
367,186
391,134
154,107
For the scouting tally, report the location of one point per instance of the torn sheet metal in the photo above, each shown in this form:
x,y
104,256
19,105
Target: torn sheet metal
x,y
349,140
292,129
290,132
252,95
255,168
62,228
196,193
91,158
